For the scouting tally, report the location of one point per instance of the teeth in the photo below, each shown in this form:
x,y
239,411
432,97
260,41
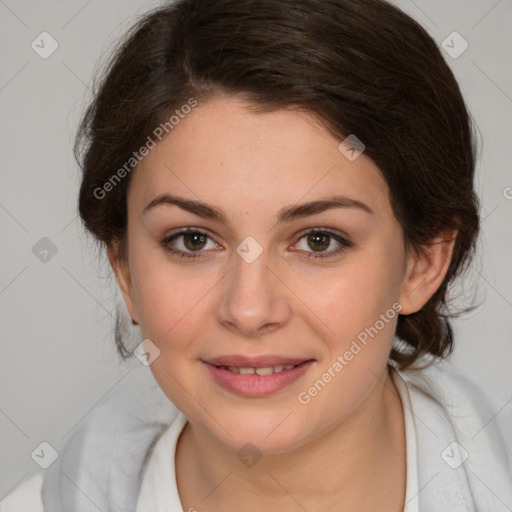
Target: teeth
x,y
267,370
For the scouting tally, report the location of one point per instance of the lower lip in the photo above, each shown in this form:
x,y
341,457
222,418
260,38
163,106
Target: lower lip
x,y
257,385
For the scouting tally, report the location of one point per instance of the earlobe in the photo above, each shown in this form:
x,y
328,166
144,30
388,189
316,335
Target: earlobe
x,y
426,270
122,272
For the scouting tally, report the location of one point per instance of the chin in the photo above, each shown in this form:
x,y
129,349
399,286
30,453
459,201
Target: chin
x,y
266,434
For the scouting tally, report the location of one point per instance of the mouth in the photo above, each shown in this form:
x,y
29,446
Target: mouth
x,y
261,371
252,378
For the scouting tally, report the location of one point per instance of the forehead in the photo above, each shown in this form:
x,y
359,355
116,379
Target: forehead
x,y
224,152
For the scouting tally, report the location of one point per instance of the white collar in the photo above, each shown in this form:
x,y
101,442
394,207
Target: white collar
x,y
159,491
411,493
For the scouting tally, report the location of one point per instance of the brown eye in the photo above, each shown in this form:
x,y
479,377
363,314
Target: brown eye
x,y
194,241
319,241
189,243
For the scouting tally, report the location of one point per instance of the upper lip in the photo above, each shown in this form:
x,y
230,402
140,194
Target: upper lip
x,y
255,362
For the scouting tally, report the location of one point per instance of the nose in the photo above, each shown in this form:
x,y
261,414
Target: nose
x,y
254,300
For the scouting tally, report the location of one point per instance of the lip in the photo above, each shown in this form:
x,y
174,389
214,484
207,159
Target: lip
x,y
257,385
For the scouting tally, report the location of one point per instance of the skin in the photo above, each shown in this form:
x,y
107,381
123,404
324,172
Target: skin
x,y
251,166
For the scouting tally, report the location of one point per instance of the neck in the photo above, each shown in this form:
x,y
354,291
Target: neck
x,y
358,465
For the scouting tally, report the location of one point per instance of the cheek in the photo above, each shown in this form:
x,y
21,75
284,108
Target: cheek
x,y
361,310
171,305
171,300
168,303
351,298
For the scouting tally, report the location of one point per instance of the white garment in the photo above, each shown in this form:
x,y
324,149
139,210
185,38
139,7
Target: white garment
x,y
159,492
411,492
26,497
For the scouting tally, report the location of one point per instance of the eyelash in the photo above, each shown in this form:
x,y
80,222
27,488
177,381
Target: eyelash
x,y
344,244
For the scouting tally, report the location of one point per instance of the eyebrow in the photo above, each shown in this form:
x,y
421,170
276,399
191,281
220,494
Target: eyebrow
x,y
286,214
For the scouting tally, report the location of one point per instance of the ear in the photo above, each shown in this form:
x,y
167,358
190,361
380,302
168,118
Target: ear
x,y
121,270
426,269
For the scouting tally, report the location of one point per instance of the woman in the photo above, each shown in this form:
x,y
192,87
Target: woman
x,y
285,192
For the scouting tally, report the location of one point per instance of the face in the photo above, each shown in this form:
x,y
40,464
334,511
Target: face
x,y
254,242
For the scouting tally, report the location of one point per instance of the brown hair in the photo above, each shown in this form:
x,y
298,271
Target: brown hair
x,y
363,66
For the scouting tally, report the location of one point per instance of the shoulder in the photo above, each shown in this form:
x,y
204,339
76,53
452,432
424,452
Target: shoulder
x,y
104,454
464,443
454,389
26,497
477,414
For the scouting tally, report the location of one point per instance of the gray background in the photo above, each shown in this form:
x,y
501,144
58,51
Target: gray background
x,y
57,355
